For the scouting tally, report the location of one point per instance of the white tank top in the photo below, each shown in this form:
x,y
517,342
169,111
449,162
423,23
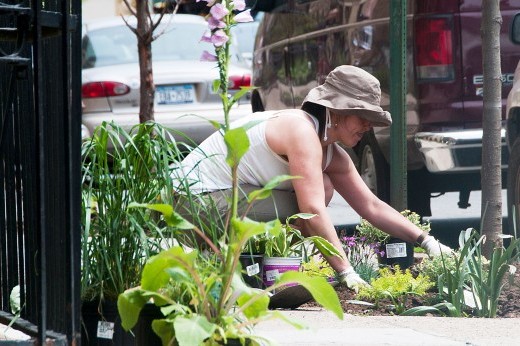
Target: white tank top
x,y
206,169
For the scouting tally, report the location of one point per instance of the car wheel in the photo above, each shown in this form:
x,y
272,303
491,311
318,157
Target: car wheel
x,y
373,167
513,189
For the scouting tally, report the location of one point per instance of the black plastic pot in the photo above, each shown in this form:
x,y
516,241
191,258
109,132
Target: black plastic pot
x,y
397,252
252,267
101,325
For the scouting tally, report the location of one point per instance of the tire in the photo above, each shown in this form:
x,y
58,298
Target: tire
x,y
373,168
513,189
375,172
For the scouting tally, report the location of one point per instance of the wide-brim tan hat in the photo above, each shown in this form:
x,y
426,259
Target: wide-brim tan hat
x,y
349,90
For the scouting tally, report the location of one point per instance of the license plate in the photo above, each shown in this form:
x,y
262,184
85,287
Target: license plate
x,y
174,94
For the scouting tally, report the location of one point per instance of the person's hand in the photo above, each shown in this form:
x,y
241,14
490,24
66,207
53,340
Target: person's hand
x,y
352,280
433,247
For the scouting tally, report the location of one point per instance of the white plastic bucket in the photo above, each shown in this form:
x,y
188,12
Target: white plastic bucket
x,y
275,266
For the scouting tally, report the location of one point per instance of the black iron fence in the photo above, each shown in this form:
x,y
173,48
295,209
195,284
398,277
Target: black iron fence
x,y
40,131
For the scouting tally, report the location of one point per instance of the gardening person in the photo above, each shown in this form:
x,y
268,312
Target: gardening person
x,y
303,143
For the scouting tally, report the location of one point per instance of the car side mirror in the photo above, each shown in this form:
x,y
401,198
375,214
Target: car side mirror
x,y
515,29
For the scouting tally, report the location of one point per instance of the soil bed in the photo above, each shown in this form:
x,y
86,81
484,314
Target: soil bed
x,y
508,307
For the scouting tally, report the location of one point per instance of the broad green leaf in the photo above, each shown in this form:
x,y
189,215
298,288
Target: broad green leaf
x,y
260,305
164,328
248,228
192,331
170,216
237,144
154,273
322,292
420,311
325,247
129,305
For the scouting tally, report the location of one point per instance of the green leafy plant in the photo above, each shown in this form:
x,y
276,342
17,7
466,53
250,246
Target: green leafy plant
x,y
487,277
216,304
471,283
435,266
120,167
373,234
396,285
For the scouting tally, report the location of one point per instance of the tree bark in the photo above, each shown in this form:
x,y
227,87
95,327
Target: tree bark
x,y
144,33
491,178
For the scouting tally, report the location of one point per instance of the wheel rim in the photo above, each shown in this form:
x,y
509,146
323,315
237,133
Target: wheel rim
x,y
368,169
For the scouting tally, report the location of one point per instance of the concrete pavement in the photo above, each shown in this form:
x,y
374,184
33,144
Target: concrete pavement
x,y
324,328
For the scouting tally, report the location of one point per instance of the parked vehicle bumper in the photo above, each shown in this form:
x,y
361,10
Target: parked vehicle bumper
x,y
186,126
455,152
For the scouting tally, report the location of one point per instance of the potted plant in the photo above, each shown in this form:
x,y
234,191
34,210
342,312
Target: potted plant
x,y
118,168
392,251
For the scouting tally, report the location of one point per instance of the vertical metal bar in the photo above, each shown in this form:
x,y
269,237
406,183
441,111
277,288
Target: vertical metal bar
x,y
38,111
72,80
398,89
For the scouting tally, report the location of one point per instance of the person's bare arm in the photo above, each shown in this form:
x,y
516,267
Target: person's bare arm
x,y
303,150
348,183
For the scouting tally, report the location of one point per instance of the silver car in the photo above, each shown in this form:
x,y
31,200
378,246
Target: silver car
x,y
184,97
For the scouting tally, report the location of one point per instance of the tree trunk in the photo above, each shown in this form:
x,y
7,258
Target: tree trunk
x,y
491,179
144,46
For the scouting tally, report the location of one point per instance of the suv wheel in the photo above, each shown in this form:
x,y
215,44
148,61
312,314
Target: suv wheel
x,y
513,189
373,167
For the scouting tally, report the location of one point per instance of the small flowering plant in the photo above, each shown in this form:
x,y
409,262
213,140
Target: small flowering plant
x,y
362,255
222,16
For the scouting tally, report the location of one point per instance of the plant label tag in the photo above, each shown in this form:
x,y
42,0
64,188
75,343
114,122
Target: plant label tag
x,y
105,330
395,250
253,269
271,275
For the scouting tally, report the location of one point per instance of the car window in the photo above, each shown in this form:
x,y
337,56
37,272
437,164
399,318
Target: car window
x,y
118,45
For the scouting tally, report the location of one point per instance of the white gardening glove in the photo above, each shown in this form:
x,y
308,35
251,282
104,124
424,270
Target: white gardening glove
x,y
351,279
434,248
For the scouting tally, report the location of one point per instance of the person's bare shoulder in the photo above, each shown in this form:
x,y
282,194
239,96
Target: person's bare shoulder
x,y
290,129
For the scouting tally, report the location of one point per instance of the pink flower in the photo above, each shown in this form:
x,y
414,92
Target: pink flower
x,y
218,11
207,56
206,37
219,38
239,5
214,23
244,17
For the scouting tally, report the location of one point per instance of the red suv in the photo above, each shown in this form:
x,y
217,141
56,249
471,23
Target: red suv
x,y
300,41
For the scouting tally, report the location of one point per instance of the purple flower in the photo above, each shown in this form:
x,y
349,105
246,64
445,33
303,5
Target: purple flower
x,y
244,17
239,5
219,38
218,11
207,56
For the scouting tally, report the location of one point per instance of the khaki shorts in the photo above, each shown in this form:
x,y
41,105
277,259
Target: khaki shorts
x,y
209,211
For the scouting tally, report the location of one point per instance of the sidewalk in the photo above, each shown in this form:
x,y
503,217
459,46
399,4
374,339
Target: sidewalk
x,y
326,329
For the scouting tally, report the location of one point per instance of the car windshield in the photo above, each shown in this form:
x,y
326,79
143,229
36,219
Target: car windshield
x,y
118,45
